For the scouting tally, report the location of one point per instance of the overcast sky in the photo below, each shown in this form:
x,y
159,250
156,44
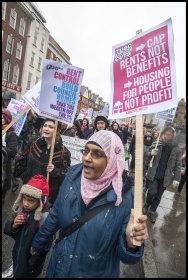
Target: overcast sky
x,y
87,32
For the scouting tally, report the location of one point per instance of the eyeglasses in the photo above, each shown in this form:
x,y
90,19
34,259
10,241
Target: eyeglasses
x,y
94,154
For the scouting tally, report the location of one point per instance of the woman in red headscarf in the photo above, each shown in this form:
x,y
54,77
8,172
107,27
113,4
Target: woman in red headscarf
x,y
9,145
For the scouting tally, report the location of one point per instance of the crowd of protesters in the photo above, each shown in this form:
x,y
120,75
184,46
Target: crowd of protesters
x,y
27,156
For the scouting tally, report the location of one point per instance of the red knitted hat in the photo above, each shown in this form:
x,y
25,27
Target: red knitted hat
x,y
36,187
39,182
7,115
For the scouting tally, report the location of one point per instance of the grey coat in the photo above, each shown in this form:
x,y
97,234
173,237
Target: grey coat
x,y
173,169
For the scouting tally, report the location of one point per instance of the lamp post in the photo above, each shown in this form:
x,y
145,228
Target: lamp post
x,y
9,59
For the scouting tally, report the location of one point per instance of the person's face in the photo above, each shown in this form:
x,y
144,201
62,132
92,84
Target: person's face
x,y
30,203
101,125
148,138
85,122
48,129
93,167
6,102
123,126
64,125
115,126
155,135
168,136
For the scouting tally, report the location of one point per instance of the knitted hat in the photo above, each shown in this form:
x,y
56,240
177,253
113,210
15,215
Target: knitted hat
x,y
7,115
36,187
100,117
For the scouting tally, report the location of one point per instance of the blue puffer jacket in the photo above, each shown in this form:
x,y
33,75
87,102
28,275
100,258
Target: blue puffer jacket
x,y
95,249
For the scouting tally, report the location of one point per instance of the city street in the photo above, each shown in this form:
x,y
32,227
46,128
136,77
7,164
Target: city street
x,y
165,251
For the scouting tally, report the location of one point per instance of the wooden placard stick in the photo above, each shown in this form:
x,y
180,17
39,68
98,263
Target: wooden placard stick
x,y
15,119
138,181
52,148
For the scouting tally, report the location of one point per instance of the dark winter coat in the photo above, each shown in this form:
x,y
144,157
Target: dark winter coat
x,y
125,135
96,249
23,236
11,151
35,158
68,132
87,133
173,168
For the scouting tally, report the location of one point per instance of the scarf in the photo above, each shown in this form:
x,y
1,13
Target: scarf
x,y
114,150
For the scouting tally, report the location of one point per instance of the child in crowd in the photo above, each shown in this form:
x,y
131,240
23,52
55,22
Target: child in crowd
x,y
30,211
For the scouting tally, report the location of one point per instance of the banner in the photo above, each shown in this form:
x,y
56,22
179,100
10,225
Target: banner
x,y
15,107
143,78
167,115
105,110
74,145
32,97
60,89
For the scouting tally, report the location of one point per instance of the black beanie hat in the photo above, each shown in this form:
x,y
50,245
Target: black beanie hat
x,y
100,118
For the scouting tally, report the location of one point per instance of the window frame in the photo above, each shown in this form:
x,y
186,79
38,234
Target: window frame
x,y
4,10
29,80
20,51
35,37
11,44
24,24
32,59
39,64
8,70
15,14
17,76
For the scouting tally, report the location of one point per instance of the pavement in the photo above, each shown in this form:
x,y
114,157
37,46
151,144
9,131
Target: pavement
x,y
165,249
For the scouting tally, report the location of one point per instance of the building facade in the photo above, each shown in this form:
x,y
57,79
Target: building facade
x,y
16,20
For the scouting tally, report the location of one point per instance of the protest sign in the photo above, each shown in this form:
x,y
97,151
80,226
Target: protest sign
x,y
32,97
18,110
105,110
74,145
167,115
60,89
143,73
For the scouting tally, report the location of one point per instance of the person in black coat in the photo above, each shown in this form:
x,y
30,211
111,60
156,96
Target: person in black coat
x,y
115,128
9,143
124,129
30,210
87,131
35,158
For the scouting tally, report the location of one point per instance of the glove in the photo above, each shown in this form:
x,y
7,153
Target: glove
x,y
175,183
154,152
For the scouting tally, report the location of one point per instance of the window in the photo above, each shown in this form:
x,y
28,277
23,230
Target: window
x,y
4,4
51,56
22,27
19,51
6,71
42,45
37,80
13,16
44,32
37,24
15,75
35,38
32,58
39,64
29,81
10,42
